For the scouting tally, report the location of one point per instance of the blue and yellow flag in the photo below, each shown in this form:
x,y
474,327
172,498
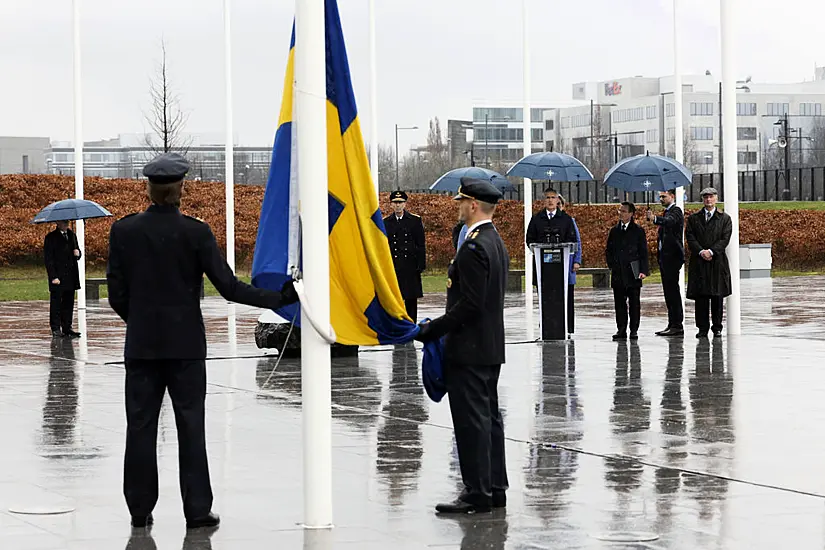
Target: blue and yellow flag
x,y
366,307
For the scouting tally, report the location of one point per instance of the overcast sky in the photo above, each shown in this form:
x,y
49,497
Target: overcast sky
x,y
435,57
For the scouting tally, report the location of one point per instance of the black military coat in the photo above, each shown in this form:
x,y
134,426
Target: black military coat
x,y
708,278
409,255
61,263
157,260
623,248
476,283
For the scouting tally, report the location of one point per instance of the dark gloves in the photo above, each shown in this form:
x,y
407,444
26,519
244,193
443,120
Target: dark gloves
x,y
424,332
288,293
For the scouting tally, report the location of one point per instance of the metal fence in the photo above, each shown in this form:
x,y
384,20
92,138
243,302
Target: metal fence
x,y
801,184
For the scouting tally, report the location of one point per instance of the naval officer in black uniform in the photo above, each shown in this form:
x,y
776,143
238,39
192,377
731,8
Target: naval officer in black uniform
x,y
405,232
157,260
474,350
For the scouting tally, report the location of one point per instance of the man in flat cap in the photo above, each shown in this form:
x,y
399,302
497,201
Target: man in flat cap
x,y
405,233
157,260
473,326
708,234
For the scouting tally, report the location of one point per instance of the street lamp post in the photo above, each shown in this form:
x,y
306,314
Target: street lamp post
x,y
397,181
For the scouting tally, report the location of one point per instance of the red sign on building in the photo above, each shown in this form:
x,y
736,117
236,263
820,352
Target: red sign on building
x,y
612,88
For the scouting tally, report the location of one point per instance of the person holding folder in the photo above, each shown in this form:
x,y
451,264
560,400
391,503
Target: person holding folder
x,y
627,259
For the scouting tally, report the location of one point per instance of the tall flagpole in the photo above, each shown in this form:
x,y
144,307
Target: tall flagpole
x,y
310,108
229,168
678,130
728,13
78,154
528,184
373,101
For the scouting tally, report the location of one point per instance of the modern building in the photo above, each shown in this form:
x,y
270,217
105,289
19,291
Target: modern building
x,y
458,144
498,134
125,156
23,155
629,116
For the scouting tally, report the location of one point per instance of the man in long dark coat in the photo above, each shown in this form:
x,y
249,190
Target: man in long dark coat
x,y
61,254
626,256
551,224
708,234
405,232
671,256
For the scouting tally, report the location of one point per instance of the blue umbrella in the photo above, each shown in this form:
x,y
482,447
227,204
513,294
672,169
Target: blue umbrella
x,y
648,173
70,209
452,179
551,167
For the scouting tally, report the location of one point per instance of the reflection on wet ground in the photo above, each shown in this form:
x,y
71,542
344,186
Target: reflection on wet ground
x,y
701,443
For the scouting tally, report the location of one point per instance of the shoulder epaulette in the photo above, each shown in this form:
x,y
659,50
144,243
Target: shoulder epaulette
x,y
413,215
193,218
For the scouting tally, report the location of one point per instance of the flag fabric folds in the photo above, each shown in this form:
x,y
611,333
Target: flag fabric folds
x,y
366,307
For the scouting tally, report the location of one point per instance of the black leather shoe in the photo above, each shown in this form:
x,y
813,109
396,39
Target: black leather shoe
x,y
674,332
72,334
499,499
57,334
142,521
717,333
620,336
459,506
663,332
210,520
634,335
701,334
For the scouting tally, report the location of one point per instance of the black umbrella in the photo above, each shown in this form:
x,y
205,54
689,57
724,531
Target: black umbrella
x,y
70,209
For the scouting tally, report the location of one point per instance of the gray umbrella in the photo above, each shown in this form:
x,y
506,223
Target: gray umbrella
x,y
70,209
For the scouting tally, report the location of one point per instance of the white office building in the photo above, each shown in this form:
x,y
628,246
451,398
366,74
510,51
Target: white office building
x,y
624,118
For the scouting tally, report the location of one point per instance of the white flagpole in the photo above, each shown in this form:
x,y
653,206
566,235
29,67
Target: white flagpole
x,y
728,14
373,100
528,184
678,130
78,154
310,103
229,155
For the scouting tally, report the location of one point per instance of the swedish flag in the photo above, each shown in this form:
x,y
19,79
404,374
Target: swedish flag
x,y
366,307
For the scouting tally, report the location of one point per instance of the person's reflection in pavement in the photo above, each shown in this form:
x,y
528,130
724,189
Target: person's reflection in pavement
x,y
489,533
712,432
399,450
673,424
60,406
559,416
195,539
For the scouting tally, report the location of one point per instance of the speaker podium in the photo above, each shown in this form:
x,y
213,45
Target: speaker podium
x,y
553,262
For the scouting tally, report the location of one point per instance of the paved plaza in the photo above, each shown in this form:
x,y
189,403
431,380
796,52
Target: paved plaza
x,y
698,444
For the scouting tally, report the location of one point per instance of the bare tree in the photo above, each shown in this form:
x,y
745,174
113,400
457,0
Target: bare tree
x,y
692,157
815,156
165,118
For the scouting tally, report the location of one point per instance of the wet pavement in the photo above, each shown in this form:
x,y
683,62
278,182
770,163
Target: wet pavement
x,y
696,444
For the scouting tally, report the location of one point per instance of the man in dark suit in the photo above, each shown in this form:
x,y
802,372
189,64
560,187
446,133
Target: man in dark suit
x,y
671,256
709,282
405,232
626,256
473,326
61,254
157,260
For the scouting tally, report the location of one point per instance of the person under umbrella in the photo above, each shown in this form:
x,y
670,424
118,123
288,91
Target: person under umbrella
x,y
574,268
61,254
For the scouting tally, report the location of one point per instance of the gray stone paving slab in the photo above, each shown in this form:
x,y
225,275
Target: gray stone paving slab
x,y
706,444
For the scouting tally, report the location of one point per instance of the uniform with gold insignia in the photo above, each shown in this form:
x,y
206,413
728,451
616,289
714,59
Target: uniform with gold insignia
x,y
409,255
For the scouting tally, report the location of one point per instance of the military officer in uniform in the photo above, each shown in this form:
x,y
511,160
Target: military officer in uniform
x,y
157,260
405,232
474,351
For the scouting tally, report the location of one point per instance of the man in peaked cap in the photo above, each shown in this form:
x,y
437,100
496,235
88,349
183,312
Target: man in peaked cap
x,y
405,233
157,260
708,233
473,326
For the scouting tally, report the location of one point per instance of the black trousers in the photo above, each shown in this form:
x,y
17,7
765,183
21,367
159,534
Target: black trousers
x,y
146,383
571,314
61,309
709,306
411,305
479,430
673,297
627,300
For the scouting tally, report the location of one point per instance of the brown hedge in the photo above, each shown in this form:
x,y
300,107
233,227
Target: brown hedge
x,y
795,234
